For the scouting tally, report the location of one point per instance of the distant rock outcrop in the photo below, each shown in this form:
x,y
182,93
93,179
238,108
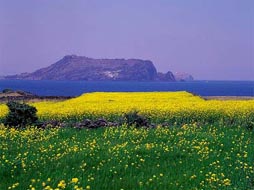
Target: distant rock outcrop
x,y
165,76
179,76
72,67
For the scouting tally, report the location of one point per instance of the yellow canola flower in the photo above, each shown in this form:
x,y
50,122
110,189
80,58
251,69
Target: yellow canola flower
x,y
74,180
226,182
156,105
61,184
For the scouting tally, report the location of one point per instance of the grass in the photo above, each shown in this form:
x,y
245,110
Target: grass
x,y
187,157
211,145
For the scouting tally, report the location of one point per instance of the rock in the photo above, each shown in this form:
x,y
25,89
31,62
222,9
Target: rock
x,y
74,67
88,124
180,76
101,123
165,124
165,77
113,124
151,126
51,124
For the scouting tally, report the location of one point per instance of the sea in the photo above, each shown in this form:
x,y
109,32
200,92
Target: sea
x,y
76,88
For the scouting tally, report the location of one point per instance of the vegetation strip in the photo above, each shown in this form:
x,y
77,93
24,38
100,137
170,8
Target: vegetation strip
x,y
190,157
169,108
187,143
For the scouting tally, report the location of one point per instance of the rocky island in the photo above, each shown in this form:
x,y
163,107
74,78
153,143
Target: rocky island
x,y
72,67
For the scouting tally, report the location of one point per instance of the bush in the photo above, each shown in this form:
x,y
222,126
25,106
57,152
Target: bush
x,y
135,119
7,90
20,115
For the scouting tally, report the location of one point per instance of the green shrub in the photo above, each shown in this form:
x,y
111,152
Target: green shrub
x,y
135,119
7,90
20,115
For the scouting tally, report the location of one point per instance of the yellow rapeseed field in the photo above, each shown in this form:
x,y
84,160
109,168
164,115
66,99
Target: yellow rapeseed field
x,y
177,107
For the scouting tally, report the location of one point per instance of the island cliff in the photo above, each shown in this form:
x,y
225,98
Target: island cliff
x,y
72,67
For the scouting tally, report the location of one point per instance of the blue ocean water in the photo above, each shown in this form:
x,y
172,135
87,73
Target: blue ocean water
x,y
75,88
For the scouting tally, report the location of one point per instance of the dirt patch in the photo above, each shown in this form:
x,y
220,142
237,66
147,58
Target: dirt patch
x,y
29,97
228,97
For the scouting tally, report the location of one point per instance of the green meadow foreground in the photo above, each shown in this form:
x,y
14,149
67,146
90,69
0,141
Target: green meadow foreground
x,y
201,145
187,157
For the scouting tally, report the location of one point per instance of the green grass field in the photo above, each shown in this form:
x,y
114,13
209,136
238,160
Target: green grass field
x,y
187,157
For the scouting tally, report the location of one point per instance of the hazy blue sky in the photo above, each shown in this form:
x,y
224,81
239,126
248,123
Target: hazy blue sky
x,y
211,39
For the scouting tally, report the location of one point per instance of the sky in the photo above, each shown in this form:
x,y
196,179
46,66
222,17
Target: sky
x,y
210,39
